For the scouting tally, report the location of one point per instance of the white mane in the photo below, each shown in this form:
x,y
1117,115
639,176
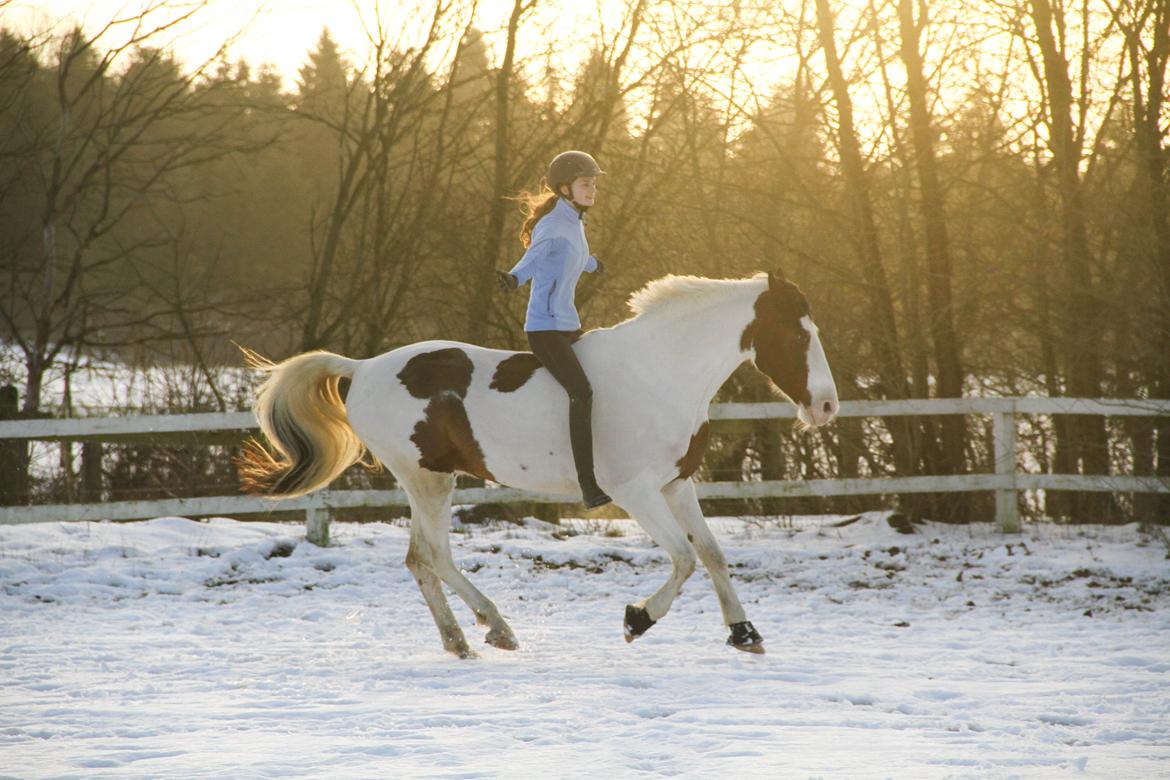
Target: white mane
x,y
673,293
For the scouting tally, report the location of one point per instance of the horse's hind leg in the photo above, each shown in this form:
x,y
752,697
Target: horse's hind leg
x,y
684,503
486,614
649,508
430,533
424,494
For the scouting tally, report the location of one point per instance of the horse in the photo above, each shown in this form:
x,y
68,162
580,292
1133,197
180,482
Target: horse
x,y
430,410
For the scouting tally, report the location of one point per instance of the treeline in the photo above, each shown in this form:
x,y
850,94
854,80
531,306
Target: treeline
x,y
974,195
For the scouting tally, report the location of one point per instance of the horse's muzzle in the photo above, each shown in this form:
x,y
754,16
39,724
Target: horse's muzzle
x,y
820,412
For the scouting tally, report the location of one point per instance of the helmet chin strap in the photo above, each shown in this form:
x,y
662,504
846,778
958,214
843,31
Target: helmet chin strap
x,y
573,201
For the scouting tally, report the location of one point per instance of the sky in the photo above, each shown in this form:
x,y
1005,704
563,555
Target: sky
x,y
282,32
557,33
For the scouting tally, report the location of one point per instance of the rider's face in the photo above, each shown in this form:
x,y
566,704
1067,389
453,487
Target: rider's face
x,y
584,190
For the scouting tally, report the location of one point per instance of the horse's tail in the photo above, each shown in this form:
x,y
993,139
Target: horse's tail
x,y
301,413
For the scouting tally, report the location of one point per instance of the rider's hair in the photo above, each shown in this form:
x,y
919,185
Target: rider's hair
x,y
536,205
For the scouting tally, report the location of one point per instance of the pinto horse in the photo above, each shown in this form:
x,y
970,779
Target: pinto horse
x,y
430,410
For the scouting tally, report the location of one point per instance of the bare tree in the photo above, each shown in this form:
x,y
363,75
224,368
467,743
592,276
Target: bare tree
x,y
364,265
1145,25
502,176
1085,442
931,201
95,152
884,335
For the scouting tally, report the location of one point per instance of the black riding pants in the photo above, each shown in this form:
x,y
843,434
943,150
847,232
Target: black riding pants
x,y
554,350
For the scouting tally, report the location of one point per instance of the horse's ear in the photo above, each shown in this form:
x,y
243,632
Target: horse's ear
x,y
776,278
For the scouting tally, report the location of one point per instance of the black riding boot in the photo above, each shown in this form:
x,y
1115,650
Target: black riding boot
x,y
581,437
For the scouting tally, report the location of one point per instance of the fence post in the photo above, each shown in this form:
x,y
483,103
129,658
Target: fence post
x,y
13,453
317,523
1007,510
91,472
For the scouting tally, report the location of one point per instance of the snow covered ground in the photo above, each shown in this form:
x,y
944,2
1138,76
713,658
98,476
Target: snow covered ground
x,y
177,649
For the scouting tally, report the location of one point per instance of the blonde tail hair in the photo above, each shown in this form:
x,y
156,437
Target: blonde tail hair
x,y
301,413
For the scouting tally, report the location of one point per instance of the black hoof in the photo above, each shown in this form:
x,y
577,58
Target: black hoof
x,y
637,622
745,637
595,500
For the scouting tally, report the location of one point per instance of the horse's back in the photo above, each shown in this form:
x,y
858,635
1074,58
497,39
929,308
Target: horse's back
x,y
499,410
491,403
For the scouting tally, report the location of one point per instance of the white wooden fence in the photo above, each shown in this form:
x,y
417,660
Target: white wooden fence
x,y
1006,480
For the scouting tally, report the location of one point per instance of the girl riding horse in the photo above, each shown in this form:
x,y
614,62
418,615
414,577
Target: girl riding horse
x,y
431,410
554,235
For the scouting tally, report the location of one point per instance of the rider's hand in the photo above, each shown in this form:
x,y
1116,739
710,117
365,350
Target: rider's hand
x,y
506,281
600,265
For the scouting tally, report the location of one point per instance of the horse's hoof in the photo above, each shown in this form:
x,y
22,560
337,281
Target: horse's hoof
x,y
637,622
458,647
505,640
745,637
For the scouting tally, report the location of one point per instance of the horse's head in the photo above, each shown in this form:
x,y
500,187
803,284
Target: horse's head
x,y
785,347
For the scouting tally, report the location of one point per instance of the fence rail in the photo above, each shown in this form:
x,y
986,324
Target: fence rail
x,y
1006,481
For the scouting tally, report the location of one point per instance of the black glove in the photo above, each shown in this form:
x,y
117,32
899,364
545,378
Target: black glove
x,y
506,281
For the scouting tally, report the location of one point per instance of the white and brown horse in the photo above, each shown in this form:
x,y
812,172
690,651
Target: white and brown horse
x,y
430,410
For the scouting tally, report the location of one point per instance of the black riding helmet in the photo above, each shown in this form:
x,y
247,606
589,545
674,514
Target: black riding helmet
x,y
569,166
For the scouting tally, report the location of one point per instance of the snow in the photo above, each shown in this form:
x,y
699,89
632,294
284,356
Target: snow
x,y
175,648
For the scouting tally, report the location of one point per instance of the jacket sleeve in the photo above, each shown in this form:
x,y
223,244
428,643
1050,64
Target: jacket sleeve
x,y
543,259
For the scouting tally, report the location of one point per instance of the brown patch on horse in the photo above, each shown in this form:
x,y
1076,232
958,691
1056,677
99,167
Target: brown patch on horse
x,y
445,440
444,437
427,374
779,338
514,371
689,463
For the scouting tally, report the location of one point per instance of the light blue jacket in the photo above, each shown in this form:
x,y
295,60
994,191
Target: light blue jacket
x,y
555,260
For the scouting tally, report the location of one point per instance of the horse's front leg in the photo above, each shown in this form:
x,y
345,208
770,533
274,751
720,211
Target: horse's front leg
x,y
684,503
649,508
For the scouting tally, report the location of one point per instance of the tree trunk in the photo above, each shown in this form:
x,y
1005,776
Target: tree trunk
x,y
1154,186
1080,329
941,317
884,334
483,282
613,92
321,276
13,454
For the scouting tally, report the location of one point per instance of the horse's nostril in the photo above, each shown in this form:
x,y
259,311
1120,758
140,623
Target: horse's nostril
x,y
828,407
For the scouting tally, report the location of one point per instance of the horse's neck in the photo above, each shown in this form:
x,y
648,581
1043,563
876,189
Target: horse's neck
x,y
690,352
